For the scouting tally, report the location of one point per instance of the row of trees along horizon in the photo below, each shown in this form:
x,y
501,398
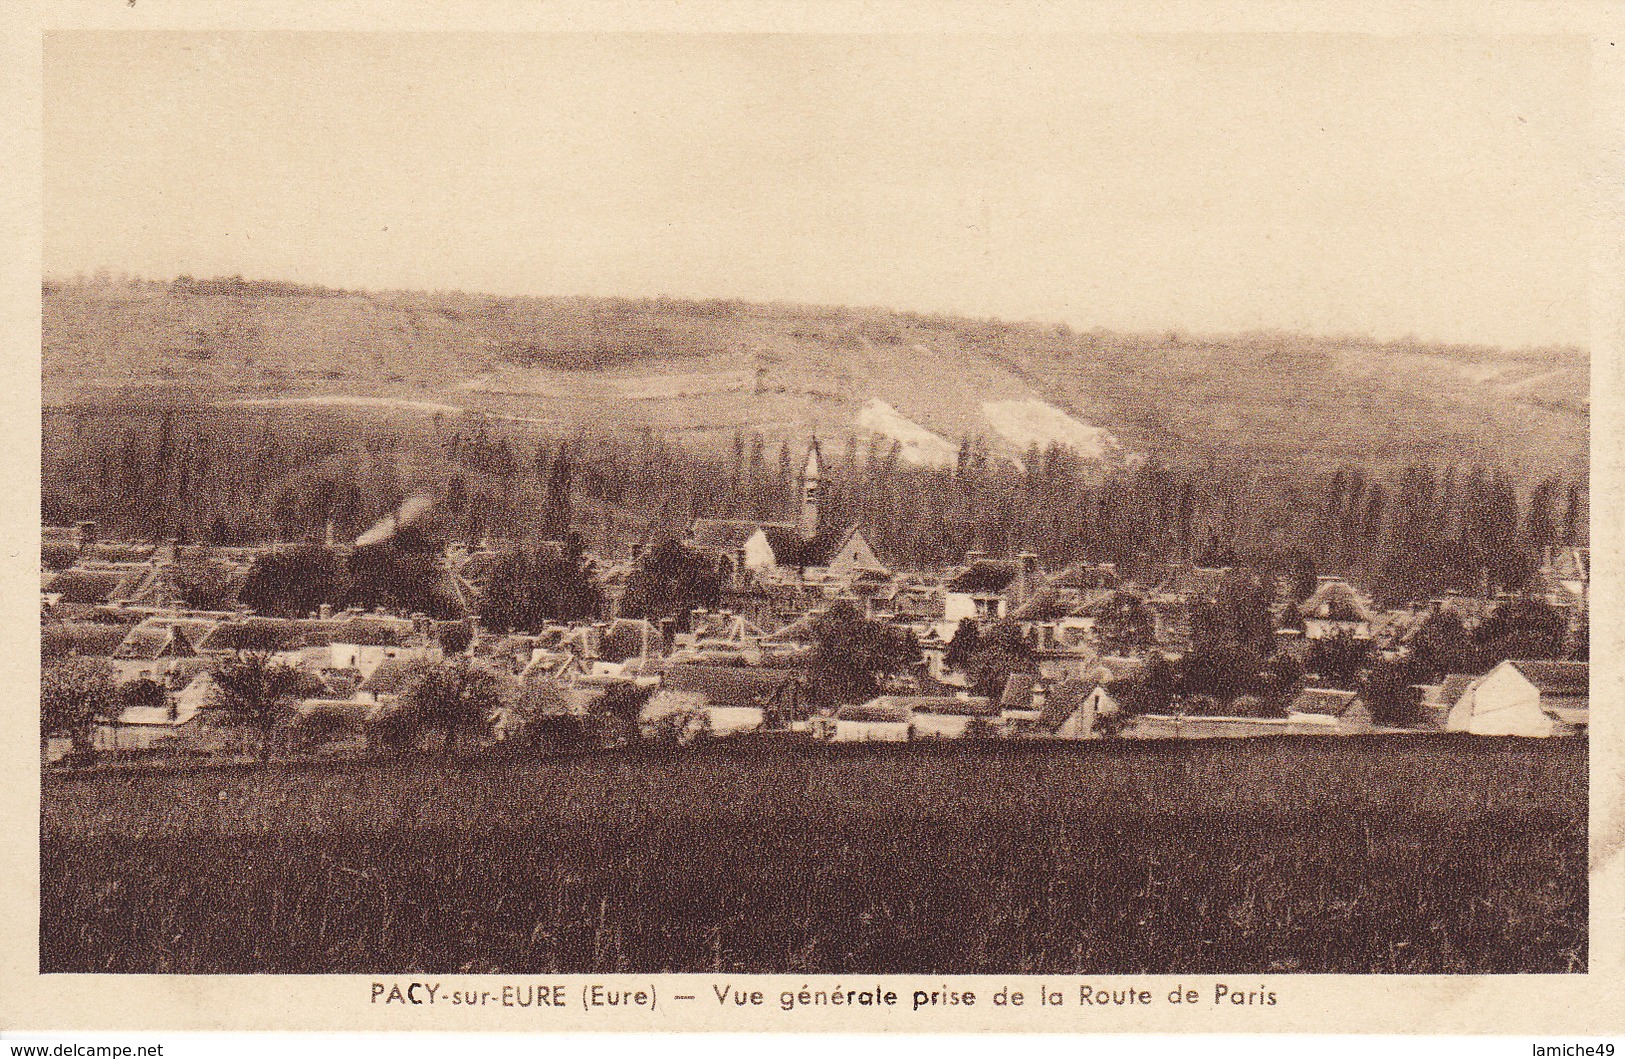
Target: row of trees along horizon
x,y
206,476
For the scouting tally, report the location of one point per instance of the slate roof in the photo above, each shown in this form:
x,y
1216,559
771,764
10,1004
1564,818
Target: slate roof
x,y
147,642
729,535
729,685
1557,678
1081,577
254,634
942,705
1335,601
1328,702
372,631
1018,692
390,678
1453,687
823,548
799,631
984,576
95,586
86,639
1062,702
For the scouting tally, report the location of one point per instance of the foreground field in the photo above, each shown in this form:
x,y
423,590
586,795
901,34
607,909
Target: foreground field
x,y
1401,855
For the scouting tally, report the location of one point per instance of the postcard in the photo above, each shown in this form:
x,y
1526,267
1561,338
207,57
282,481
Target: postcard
x,y
813,519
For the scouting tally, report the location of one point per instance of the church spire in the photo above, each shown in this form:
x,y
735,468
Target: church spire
x,y
812,491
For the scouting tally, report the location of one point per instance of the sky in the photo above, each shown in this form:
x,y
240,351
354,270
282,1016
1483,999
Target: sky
x,y
1386,186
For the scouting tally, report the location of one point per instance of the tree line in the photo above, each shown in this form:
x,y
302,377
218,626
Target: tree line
x,y
206,475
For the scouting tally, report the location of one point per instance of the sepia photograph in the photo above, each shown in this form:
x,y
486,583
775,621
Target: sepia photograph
x,y
936,504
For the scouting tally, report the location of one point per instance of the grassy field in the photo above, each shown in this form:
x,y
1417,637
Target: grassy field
x,y
702,371
1396,855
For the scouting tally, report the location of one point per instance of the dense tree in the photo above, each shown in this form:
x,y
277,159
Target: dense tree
x,y
143,693
529,590
852,655
962,647
669,582
1003,653
456,699
1338,661
258,693
295,582
1406,533
1391,692
455,636
204,583
1521,628
1441,646
1123,624
1152,689
75,695
401,575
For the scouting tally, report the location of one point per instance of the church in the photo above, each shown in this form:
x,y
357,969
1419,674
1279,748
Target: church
x,y
752,550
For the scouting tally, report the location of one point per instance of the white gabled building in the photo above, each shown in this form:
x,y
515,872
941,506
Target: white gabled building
x,y
1527,698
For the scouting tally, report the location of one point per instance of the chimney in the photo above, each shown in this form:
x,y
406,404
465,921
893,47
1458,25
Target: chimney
x,y
420,623
741,573
1026,575
325,612
637,551
86,531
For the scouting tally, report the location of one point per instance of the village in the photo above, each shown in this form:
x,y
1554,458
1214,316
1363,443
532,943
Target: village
x,y
809,636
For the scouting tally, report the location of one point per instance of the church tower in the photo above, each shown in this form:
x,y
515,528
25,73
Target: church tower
x,y
812,491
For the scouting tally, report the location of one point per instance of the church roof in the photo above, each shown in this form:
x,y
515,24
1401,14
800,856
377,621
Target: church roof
x,y
729,535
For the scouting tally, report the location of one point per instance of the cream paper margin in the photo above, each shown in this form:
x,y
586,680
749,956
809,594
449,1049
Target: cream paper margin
x,y
1592,1003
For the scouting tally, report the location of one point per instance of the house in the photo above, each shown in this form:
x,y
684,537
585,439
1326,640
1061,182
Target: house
x,y
749,550
942,716
150,649
364,642
272,635
878,722
1435,701
1073,708
140,727
81,639
776,697
1336,609
1072,591
1526,698
1564,576
1021,706
79,589
1332,708
981,590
